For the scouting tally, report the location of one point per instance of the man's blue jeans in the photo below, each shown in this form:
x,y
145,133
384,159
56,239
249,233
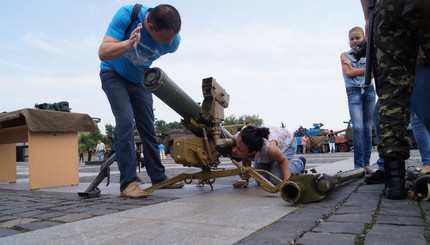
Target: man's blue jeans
x,y
130,101
273,167
361,102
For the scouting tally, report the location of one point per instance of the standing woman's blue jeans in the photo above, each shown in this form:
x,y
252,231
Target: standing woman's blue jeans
x,y
361,102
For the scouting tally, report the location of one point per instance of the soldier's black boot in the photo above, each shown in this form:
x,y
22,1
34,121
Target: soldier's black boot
x,y
394,178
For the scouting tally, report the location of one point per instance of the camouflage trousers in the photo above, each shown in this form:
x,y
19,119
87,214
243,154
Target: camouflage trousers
x,y
397,38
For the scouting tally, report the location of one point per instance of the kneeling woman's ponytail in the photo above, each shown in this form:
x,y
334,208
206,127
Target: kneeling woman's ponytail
x,y
253,137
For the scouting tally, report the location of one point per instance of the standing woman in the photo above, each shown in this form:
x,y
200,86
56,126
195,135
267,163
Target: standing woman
x,y
304,140
361,100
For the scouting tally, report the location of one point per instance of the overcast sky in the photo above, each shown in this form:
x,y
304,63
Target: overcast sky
x,y
277,59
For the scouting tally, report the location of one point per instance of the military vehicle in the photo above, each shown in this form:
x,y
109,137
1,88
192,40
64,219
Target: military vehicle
x,y
168,139
409,137
320,135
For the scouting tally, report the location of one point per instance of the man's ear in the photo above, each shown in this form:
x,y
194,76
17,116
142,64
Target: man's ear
x,y
150,27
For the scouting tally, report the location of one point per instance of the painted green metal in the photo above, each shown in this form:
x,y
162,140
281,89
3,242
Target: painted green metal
x,y
157,82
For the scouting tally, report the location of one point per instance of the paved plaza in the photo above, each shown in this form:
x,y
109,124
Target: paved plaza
x,y
354,213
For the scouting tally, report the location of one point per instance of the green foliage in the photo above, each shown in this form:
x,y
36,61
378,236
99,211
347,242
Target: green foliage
x,y
109,130
90,140
297,133
255,120
163,127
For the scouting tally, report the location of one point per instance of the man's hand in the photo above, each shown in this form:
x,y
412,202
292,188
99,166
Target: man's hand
x,y
112,48
135,37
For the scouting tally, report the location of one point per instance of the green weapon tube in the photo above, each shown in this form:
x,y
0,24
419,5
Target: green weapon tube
x,y
157,82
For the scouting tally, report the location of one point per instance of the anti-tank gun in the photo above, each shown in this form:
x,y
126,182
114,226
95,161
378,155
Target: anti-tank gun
x,y
205,122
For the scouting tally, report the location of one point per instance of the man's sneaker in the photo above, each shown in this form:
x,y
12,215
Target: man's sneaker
x,y
133,190
377,177
304,163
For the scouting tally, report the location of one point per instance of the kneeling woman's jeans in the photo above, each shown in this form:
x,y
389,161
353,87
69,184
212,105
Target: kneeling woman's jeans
x,y
273,167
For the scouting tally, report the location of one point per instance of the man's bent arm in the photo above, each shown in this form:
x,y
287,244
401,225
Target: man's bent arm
x,y
111,48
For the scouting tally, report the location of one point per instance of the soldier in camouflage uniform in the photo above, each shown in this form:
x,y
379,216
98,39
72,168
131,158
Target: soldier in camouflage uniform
x,y
400,27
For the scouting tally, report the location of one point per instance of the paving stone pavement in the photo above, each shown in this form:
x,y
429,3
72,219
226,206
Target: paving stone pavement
x,y
354,213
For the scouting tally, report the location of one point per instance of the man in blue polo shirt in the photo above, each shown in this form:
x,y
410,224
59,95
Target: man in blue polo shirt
x,y
125,55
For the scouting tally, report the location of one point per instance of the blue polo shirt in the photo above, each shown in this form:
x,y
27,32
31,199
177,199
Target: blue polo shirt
x,y
130,65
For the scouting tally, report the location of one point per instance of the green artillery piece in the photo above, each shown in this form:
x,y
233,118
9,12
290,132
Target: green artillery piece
x,y
205,123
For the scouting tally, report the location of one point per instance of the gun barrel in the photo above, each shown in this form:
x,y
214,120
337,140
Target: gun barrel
x,y
157,82
349,175
326,183
313,187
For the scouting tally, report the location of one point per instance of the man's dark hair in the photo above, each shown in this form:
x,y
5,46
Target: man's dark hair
x,y
165,16
253,137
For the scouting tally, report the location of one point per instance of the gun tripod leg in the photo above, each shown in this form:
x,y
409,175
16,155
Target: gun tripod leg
x,y
166,183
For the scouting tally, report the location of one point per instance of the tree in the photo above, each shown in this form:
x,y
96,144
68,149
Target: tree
x,y
90,140
109,130
164,127
160,125
255,120
298,132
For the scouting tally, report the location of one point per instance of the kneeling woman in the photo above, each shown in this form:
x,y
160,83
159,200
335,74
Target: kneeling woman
x,y
271,149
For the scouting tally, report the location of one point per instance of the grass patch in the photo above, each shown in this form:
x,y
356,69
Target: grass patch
x,y
426,224
369,226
